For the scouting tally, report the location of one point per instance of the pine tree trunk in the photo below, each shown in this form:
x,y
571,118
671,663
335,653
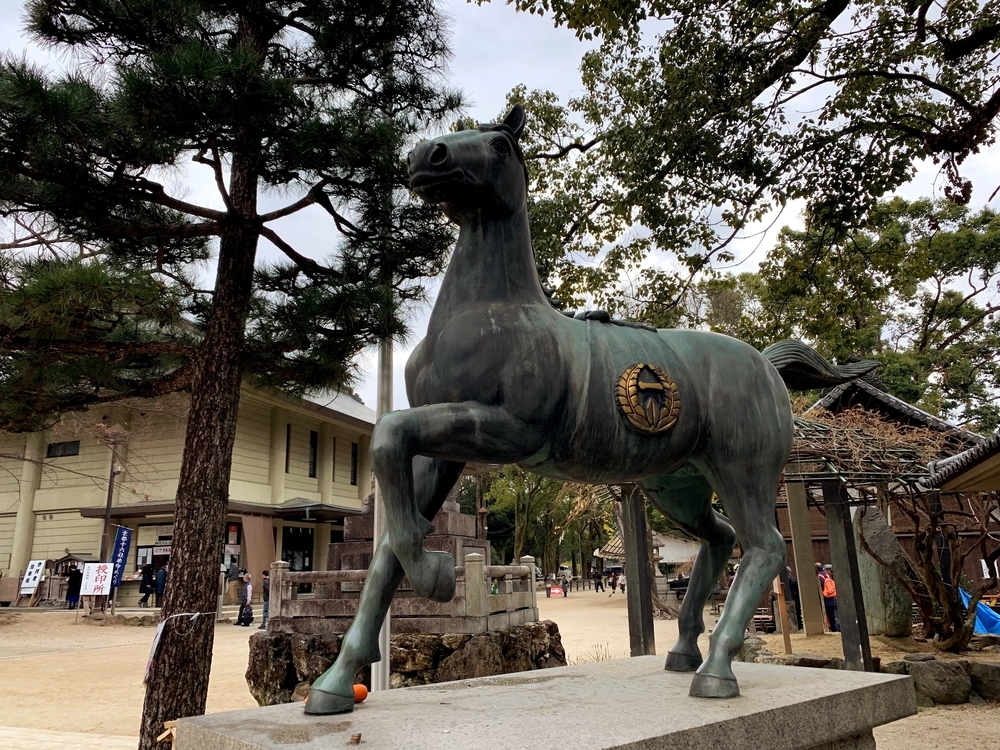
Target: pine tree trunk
x,y
178,682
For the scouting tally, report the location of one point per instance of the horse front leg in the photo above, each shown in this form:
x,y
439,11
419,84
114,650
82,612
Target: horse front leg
x,y
453,432
333,691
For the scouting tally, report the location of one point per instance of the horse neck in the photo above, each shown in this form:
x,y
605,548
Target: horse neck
x,y
493,262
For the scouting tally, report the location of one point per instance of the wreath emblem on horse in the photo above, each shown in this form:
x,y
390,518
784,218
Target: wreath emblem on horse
x,y
648,398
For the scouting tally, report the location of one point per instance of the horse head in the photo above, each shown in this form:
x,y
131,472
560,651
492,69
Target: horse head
x,y
473,172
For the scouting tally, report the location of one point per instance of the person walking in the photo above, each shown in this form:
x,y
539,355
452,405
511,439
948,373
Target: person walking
x,y
161,584
621,581
598,582
793,595
830,598
613,581
74,581
565,586
146,584
233,581
265,590
246,611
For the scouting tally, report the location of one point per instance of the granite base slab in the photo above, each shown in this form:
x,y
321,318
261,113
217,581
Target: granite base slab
x,y
624,704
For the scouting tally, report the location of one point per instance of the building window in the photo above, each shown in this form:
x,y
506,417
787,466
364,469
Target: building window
x,y
313,451
354,464
288,446
58,450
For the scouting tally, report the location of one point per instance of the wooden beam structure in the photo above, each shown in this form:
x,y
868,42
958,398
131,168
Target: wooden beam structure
x,y
638,590
850,604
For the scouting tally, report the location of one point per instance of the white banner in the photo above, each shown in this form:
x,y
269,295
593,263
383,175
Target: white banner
x,y
96,579
32,576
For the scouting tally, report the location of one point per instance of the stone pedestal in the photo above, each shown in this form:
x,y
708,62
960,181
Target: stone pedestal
x,y
631,703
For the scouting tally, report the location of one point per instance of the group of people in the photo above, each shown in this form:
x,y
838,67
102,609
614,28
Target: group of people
x,y
240,588
614,581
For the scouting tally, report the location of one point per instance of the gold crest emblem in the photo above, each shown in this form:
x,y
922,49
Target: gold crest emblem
x,y
648,398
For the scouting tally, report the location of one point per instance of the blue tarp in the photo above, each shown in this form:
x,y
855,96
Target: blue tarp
x,y
987,621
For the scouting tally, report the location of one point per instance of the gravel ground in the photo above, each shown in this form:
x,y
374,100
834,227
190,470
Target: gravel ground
x,y
56,669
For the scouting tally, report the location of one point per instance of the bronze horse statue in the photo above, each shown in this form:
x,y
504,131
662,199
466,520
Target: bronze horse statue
x,y
504,377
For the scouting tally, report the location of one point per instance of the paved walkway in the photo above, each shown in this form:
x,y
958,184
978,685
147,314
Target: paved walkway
x,y
16,738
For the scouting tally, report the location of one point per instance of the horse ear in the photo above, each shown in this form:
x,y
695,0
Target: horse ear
x,y
515,120
460,126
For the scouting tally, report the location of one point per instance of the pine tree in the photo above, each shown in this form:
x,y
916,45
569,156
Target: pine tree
x,y
101,297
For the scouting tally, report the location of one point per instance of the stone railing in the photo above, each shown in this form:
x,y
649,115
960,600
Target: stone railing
x,y
474,608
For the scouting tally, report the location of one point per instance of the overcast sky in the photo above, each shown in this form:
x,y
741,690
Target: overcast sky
x,y
495,49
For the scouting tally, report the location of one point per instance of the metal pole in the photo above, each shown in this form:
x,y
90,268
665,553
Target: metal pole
x,y
380,670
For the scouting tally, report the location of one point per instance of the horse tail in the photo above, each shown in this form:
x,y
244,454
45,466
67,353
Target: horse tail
x,y
803,369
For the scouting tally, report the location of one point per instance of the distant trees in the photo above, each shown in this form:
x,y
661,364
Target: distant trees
x,y
915,289
697,118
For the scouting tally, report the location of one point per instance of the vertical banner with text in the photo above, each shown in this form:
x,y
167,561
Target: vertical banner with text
x,y
119,554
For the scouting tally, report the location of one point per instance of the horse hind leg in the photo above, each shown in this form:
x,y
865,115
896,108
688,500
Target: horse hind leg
x,y
748,491
687,502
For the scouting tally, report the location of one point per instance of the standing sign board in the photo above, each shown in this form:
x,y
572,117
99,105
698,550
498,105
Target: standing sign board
x,y
119,554
96,579
32,576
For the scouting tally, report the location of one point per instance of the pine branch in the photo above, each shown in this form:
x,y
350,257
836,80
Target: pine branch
x,y
308,266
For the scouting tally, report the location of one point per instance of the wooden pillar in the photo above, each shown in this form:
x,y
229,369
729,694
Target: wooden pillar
x,y
805,560
276,465
325,462
638,589
850,604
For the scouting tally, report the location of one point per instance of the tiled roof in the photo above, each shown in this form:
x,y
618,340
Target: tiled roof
x,y
835,394
943,470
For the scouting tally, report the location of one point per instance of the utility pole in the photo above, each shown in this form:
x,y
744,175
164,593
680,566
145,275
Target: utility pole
x,y
113,438
380,669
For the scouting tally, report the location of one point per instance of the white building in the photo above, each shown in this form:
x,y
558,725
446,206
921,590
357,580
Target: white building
x,y
299,467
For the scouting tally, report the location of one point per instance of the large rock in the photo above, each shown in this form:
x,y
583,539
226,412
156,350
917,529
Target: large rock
x,y
752,646
414,652
806,660
942,681
546,645
283,666
888,606
985,679
481,656
895,667
270,672
312,655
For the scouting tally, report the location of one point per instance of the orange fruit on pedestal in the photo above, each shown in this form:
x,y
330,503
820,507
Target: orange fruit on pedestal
x,y
360,693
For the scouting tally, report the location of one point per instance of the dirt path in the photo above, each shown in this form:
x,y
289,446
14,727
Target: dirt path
x,y
49,664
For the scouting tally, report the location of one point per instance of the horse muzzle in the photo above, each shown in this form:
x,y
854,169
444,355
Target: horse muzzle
x,y
434,186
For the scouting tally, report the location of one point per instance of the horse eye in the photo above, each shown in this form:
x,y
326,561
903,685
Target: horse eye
x,y
501,145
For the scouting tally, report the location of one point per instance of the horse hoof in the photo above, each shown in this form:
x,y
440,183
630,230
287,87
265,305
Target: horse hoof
x,y
322,703
682,662
439,582
710,686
